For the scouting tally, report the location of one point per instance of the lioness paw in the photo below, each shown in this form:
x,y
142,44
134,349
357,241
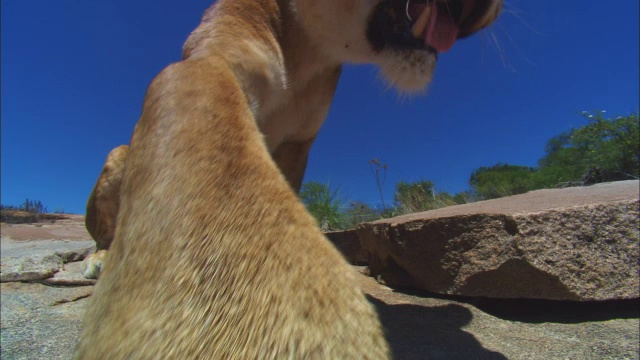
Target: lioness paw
x,y
92,265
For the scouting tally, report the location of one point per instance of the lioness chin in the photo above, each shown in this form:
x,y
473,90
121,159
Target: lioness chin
x,y
212,255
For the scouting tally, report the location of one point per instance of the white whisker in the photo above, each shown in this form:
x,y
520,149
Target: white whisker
x,y
515,45
501,52
512,10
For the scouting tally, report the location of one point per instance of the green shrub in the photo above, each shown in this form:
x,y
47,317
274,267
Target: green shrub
x,y
609,148
324,205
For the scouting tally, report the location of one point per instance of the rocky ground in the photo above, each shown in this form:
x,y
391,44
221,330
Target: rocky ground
x,y
43,295
43,300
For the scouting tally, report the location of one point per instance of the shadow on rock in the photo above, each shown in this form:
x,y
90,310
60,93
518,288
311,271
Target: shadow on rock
x,y
565,312
543,311
421,332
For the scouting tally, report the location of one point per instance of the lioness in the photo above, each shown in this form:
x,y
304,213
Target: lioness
x,y
213,255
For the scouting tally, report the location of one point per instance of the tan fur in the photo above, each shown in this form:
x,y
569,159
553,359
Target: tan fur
x,y
213,256
102,209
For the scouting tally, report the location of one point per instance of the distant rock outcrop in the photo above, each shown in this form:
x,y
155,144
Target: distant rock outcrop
x,y
562,244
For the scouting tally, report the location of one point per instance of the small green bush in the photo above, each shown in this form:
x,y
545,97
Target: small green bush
x,y
324,205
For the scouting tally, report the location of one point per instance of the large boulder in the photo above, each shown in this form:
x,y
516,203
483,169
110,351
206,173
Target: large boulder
x,y
349,245
562,244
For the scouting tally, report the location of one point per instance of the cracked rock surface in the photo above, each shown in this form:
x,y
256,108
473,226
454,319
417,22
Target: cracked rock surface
x,y
40,321
36,260
43,296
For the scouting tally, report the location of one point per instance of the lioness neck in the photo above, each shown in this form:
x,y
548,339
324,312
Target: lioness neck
x,y
272,65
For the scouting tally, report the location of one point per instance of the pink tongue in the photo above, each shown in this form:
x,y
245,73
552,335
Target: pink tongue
x,y
442,31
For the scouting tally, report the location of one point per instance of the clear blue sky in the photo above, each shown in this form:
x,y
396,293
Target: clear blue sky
x,y
74,74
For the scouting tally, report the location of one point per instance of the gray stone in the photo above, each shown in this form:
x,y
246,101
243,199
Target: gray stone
x,y
70,275
39,259
349,245
31,268
41,322
563,244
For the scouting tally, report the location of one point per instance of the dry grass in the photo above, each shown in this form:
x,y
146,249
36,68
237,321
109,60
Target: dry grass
x,y
25,217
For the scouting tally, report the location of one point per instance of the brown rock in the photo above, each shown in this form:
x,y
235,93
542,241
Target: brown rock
x,y
349,245
563,244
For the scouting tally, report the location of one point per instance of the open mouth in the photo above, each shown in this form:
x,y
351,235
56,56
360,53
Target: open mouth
x,y
432,25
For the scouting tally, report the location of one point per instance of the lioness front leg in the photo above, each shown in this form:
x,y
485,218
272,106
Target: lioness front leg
x,y
214,257
102,210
